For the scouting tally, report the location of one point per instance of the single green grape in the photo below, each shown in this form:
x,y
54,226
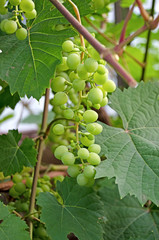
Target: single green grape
x,y
82,180
63,66
104,102
14,2
68,158
90,116
2,24
73,60
59,151
3,10
21,34
68,113
31,15
17,178
64,75
67,46
85,141
89,171
102,69
58,129
13,193
96,148
27,5
58,84
78,85
45,188
100,78
29,181
82,71
83,153
91,65
24,207
109,86
95,95
10,27
38,190
20,187
98,4
94,158
73,170
73,76
60,98
94,128
41,232
97,106
46,178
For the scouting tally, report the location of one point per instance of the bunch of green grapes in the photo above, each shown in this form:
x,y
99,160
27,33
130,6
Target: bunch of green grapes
x,y
19,7
78,86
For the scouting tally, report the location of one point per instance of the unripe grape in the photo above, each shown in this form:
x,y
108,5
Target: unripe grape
x,y
64,75
62,66
24,207
94,148
38,190
29,182
95,95
27,5
73,61
94,158
41,232
67,46
94,128
13,193
102,69
91,65
60,98
85,141
78,85
82,71
45,188
58,84
89,171
2,3
59,151
68,158
10,26
20,187
73,170
31,15
97,106
103,91
58,129
98,4
21,33
2,24
90,116
82,180
104,102
14,2
109,86
73,76
68,113
17,178
100,78
3,10
83,153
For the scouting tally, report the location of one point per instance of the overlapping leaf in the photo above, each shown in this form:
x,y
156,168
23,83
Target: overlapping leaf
x,y
14,157
133,152
126,219
11,226
28,65
80,212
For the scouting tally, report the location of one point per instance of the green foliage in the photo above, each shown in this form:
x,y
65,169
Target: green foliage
x,y
14,157
12,227
126,219
133,152
37,119
79,212
28,65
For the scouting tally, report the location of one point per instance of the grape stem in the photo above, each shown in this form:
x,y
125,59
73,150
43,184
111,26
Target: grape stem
x,y
39,158
105,53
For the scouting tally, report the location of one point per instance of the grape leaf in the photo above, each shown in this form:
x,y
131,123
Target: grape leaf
x,y
14,157
6,99
133,152
28,65
126,219
11,226
80,212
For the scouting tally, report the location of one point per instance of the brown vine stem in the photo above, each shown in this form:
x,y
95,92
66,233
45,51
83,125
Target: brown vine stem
x,y
105,53
143,12
39,157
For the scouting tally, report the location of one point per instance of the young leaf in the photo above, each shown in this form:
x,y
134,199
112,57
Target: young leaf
x,y
81,209
11,226
126,219
133,152
14,157
28,65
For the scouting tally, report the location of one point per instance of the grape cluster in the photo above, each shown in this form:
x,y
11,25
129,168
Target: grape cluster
x,y
12,25
78,86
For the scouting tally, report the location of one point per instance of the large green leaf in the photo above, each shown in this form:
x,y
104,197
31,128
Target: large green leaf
x,y
14,157
126,219
6,99
12,227
133,152
80,212
28,65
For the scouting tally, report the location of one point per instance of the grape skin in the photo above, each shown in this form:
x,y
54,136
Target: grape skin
x,y
21,34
